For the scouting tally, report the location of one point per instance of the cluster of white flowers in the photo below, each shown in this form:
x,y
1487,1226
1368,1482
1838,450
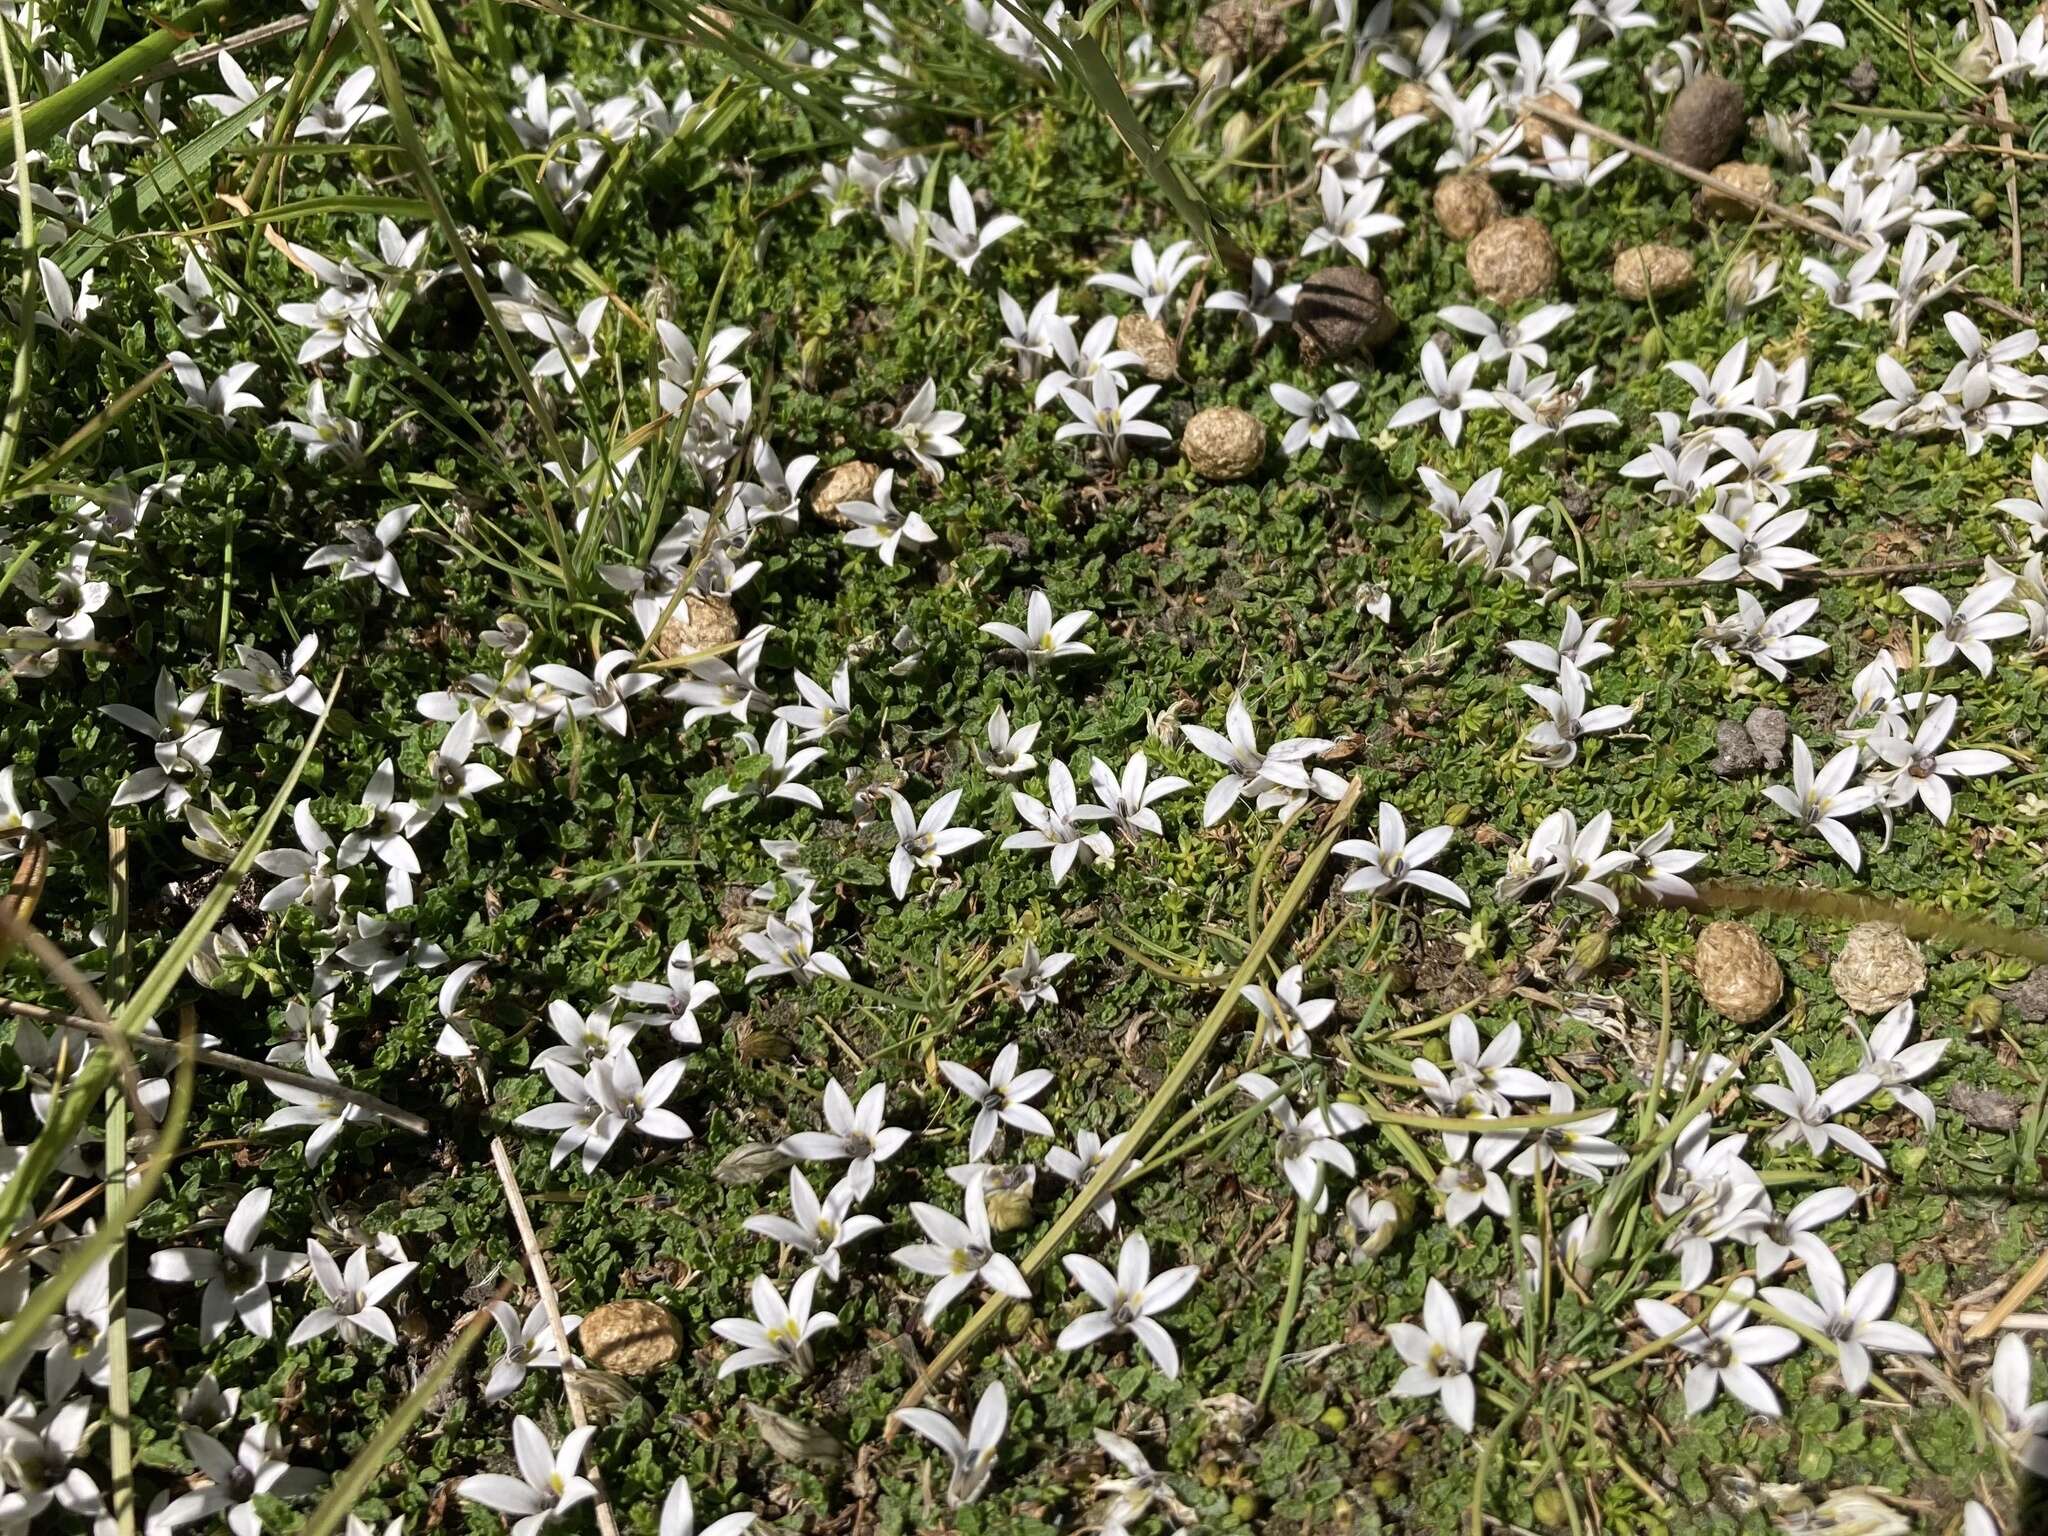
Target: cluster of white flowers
x,y
958,1253
1479,531
1898,742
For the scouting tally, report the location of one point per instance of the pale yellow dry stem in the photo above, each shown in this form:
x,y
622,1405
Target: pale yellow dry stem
x,y
1134,1140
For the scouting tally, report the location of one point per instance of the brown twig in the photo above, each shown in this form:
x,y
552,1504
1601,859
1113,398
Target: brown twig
x,y
2005,148
1561,118
2015,1322
1944,151
1894,115
185,62
265,1071
1999,307
1836,573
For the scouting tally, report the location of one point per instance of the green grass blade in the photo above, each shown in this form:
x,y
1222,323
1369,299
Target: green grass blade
x,y
25,288
266,177
349,1488
155,988
42,121
1084,58
179,166
27,1325
405,209
120,1407
458,93
363,15
32,482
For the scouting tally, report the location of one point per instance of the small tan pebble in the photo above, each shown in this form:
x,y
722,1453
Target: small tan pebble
x,y
1878,969
1224,443
1139,333
2029,996
1651,271
1985,1108
630,1338
1412,98
1340,312
1245,29
851,481
1534,127
1465,205
1753,179
1706,121
1511,260
699,623
1738,977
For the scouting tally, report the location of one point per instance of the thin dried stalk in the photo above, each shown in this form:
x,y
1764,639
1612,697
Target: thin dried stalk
x,y
536,1262
2005,148
1561,117
262,1071
2008,1304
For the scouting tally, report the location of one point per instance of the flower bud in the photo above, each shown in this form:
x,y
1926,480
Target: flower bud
x,y
1978,58
1373,1222
1212,85
758,1044
749,1163
792,1439
1588,955
1236,133
1740,286
1854,1512
1597,1247
1008,1192
605,1393
1790,141
1982,1014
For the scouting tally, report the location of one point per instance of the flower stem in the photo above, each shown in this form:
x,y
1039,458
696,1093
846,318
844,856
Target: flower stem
x,y
1297,1265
